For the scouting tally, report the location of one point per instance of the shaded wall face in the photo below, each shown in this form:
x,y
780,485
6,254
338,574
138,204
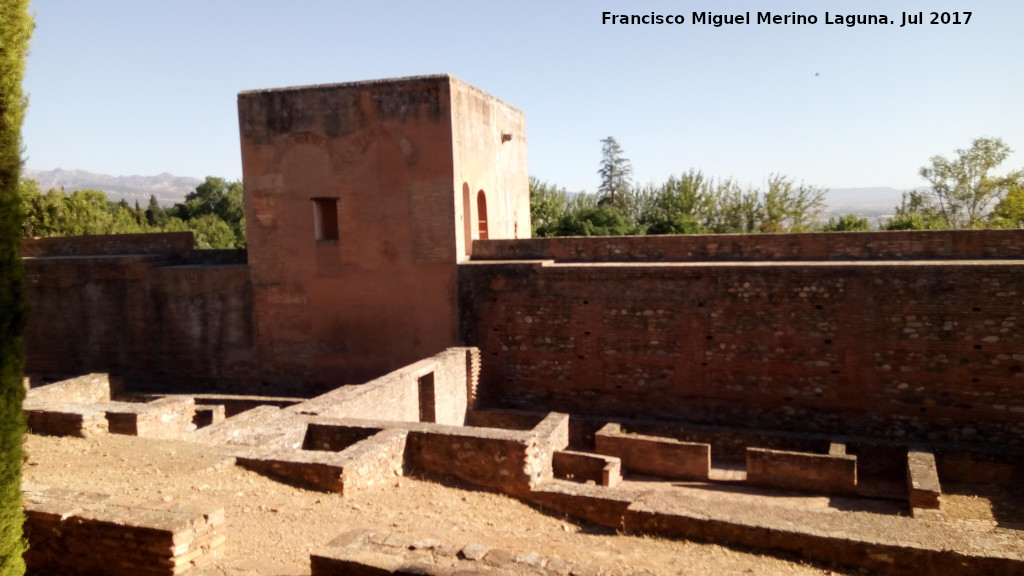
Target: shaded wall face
x,y
340,308
908,351
490,168
150,326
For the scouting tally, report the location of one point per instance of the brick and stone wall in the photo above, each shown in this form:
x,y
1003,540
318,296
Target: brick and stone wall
x,y
821,246
77,533
176,245
435,389
396,167
87,389
914,350
120,305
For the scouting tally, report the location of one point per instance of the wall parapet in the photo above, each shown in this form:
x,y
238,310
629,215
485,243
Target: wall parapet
x,y
173,244
899,245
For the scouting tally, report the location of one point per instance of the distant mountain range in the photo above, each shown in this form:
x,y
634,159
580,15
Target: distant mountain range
x,y
168,188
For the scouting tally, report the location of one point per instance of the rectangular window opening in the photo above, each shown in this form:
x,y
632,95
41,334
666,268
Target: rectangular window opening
x,y
325,219
425,384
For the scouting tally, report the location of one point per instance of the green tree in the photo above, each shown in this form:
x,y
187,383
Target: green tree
x,y
963,189
547,204
916,212
733,210
848,223
787,207
1009,213
15,30
220,198
604,220
85,212
212,233
616,172
679,206
156,216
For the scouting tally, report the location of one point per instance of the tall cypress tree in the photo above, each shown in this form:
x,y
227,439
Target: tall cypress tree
x,y
15,30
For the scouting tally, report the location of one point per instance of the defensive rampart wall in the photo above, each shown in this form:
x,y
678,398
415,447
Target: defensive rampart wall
x,y
137,306
823,246
915,336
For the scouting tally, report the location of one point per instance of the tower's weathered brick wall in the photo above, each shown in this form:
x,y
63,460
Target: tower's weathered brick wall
x,y
922,350
360,200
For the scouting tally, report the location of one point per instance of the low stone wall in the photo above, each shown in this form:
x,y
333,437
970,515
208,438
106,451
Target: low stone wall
x,y
552,435
883,544
83,534
501,460
165,418
366,464
923,484
86,389
587,468
821,473
444,382
57,419
663,457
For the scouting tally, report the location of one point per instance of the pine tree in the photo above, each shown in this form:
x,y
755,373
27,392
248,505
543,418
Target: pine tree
x,y
15,30
615,173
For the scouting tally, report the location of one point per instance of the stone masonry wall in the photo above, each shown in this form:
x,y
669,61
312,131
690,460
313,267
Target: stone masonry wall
x,y
173,244
397,396
911,245
80,534
905,350
139,315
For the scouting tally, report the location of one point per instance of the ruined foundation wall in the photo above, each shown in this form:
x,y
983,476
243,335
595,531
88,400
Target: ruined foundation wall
x,y
431,390
904,350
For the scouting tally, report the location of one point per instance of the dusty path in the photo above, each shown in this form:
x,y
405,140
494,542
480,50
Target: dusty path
x,y
273,527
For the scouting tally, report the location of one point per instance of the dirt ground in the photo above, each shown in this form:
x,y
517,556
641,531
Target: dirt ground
x,y
273,527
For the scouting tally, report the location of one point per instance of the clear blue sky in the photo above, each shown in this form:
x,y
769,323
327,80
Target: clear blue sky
x,y
141,87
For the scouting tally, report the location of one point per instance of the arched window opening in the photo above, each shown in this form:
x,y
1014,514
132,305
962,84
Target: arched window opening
x,y
481,213
467,220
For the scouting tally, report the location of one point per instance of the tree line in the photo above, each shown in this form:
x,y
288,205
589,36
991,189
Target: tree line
x,y
964,193
214,213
